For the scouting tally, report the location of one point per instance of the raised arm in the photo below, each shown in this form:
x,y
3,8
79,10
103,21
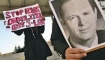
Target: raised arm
x,y
41,28
19,32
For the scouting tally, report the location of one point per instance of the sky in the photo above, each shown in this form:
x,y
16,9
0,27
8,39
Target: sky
x,y
9,40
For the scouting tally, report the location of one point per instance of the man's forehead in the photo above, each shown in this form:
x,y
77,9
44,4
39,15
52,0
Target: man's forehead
x,y
76,4
73,7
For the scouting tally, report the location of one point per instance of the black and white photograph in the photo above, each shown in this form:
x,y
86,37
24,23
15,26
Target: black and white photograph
x,y
82,22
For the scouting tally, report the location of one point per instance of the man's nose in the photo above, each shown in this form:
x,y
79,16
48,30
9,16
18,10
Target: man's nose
x,y
81,21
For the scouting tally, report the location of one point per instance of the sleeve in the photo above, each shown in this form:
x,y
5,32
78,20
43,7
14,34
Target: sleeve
x,y
18,32
41,29
58,40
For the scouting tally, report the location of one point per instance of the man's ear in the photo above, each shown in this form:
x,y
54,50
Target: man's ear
x,y
95,11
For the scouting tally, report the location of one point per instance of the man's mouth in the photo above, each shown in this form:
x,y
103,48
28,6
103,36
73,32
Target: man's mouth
x,y
84,30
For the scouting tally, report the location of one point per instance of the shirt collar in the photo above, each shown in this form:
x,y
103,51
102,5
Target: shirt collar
x,y
95,42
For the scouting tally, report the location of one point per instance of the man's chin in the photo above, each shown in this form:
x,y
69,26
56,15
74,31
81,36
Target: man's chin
x,y
85,38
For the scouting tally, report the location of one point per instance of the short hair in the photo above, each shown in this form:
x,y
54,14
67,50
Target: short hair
x,y
61,15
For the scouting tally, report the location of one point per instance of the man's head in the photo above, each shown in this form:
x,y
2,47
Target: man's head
x,y
80,17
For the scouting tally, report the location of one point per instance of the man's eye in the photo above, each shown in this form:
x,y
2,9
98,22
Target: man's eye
x,y
85,13
71,18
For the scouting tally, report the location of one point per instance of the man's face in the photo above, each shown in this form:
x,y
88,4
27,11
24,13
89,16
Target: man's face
x,y
80,18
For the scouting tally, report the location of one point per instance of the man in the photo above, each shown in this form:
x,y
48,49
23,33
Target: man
x,y
80,18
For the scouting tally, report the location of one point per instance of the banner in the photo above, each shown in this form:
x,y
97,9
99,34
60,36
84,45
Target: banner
x,y
22,18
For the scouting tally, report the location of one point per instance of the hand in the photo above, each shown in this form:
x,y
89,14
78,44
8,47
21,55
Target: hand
x,y
43,18
4,22
74,54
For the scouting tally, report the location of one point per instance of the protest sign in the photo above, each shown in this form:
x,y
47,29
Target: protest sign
x,y
24,17
81,22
